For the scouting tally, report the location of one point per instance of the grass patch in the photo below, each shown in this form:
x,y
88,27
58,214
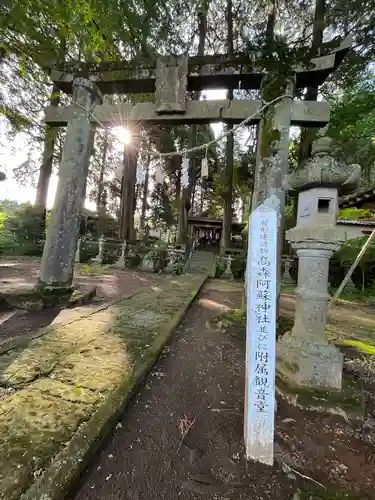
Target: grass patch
x,y
355,297
361,338
96,269
236,318
360,346
311,492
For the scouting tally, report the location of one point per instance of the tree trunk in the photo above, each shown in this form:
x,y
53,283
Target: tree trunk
x,y
185,200
270,29
144,196
45,171
226,233
128,196
308,134
99,196
178,182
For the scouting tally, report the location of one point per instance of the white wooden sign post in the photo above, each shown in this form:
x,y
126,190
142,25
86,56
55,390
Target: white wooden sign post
x,y
261,335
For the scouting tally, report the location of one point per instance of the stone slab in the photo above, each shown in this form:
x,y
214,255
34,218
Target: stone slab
x,y
309,364
55,405
314,113
171,84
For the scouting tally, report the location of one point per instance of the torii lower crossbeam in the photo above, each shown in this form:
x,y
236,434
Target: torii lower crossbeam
x,y
304,113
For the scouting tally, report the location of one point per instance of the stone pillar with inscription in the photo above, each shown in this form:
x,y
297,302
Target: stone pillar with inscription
x,y
56,269
304,355
273,149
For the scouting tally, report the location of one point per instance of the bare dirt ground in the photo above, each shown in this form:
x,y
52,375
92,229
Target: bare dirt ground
x,y
111,284
182,434
349,313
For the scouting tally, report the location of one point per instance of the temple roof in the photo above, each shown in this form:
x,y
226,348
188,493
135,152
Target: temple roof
x,y
205,221
357,222
359,196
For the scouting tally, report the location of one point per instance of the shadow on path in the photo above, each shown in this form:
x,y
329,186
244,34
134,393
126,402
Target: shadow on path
x,y
17,323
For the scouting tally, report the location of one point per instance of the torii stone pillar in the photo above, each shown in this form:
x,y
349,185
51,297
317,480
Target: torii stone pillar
x,y
273,150
305,357
56,270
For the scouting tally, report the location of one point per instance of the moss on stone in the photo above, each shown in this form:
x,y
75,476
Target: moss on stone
x,y
292,367
269,137
350,399
22,298
73,372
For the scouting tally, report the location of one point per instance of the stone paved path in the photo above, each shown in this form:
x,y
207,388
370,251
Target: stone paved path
x,y
53,384
110,283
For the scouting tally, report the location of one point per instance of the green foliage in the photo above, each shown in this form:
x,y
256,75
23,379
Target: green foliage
x,y
355,213
132,260
337,271
8,243
7,206
293,270
162,206
288,216
21,230
364,275
25,223
352,125
103,225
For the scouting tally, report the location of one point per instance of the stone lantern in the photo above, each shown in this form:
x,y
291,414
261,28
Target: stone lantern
x,y
305,357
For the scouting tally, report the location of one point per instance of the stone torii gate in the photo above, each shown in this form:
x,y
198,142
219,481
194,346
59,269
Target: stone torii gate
x,y
169,78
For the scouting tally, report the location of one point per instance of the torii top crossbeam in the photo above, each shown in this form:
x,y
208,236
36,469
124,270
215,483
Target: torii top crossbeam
x,y
172,76
204,72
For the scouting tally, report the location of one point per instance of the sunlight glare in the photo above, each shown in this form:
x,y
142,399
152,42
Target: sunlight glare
x,y
123,135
